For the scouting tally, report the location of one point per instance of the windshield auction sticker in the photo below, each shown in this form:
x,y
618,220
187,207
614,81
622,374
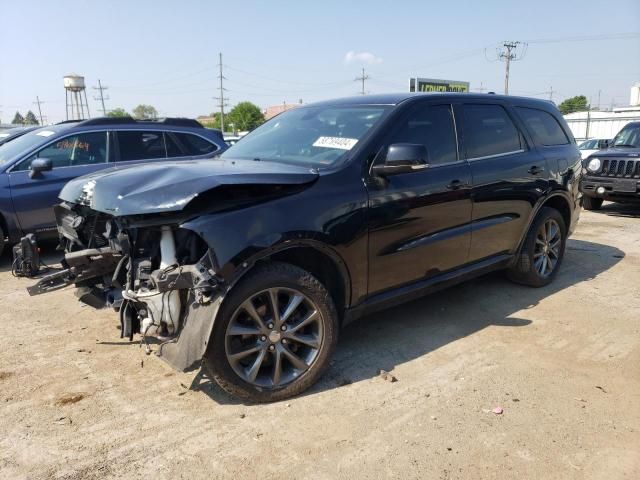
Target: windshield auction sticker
x,y
336,142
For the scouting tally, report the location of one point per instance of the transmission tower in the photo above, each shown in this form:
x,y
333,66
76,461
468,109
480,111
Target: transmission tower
x,y
221,99
509,53
362,79
101,96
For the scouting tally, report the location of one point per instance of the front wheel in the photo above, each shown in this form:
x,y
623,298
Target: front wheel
x,y
274,336
542,251
591,203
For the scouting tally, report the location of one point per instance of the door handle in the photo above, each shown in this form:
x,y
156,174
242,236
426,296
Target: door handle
x,y
456,184
535,170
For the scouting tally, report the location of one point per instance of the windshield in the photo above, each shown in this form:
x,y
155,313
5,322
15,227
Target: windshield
x,y
17,147
310,136
588,145
628,137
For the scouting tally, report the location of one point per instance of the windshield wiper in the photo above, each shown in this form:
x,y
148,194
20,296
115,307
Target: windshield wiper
x,y
626,145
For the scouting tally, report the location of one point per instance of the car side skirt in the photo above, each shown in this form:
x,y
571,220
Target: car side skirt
x,y
413,291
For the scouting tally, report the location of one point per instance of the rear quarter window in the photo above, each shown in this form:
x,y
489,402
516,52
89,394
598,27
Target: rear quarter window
x,y
543,126
194,144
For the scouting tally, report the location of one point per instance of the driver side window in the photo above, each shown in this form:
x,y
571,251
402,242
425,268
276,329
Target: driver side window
x,y
431,126
75,150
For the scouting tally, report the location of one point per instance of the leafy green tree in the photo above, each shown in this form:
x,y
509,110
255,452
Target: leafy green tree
x,y
574,104
245,116
145,111
30,119
18,119
118,112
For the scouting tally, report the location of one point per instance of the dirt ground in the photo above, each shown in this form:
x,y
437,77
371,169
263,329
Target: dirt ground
x,y
563,362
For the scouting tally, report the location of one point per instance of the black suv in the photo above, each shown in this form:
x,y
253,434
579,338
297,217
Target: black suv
x,y
614,173
251,264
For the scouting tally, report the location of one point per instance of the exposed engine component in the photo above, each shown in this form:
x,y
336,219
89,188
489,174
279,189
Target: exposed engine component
x,y
146,273
26,257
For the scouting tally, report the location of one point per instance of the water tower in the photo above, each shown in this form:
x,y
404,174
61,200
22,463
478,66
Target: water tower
x,y
75,90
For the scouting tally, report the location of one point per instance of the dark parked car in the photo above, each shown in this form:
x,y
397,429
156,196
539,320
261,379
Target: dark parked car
x,y
12,133
614,173
323,214
35,166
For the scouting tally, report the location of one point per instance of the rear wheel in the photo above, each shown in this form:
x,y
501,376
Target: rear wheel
x,y
591,203
274,335
542,251
2,242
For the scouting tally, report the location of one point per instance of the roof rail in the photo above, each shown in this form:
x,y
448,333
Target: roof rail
x,y
107,121
180,122
177,122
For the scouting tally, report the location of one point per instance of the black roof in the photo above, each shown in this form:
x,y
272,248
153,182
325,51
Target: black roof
x,y
176,122
396,98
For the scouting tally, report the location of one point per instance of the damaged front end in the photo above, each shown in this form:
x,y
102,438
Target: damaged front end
x,y
128,246
160,278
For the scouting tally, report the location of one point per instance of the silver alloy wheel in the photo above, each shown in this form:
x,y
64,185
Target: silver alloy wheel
x,y
274,337
547,248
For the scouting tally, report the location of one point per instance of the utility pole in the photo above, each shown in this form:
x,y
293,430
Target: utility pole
x,y
550,92
101,97
39,102
362,79
221,97
599,92
508,54
481,89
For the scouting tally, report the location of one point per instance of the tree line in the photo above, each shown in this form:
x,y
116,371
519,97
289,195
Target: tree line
x,y
28,119
243,117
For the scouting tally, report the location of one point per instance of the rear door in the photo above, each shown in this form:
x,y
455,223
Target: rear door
x,y
72,156
143,146
509,176
419,222
140,146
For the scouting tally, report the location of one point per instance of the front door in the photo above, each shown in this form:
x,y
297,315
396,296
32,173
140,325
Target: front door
x,y
419,222
71,157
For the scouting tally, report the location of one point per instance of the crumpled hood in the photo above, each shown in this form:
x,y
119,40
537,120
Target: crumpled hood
x,y
170,186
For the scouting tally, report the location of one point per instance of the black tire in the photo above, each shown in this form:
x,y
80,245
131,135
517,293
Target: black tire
x,y
268,277
2,242
526,270
591,203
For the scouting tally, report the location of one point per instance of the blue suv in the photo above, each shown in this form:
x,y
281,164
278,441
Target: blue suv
x,y
35,167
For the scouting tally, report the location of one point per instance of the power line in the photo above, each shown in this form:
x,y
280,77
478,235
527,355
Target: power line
x,y
101,96
362,79
39,102
587,38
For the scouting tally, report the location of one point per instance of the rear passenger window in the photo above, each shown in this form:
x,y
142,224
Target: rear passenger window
x,y
140,145
544,126
489,131
431,126
195,145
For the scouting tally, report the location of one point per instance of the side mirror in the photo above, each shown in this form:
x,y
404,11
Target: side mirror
x,y
403,158
39,165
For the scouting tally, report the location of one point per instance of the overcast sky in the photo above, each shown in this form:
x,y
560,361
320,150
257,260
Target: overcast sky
x,y
165,53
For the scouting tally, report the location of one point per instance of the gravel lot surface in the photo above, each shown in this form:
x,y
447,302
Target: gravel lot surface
x,y
562,363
